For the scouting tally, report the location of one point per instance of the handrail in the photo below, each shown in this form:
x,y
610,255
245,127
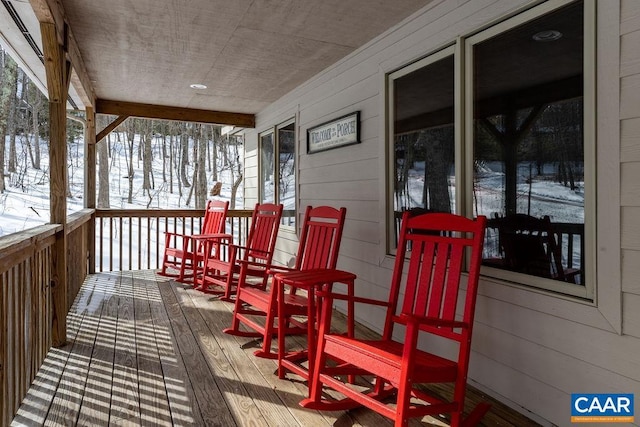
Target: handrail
x,y
16,247
78,219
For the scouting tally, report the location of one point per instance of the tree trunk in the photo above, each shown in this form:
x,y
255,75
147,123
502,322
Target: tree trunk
x,y
7,92
147,172
130,140
12,119
201,190
216,141
184,159
37,105
165,156
436,180
103,175
170,164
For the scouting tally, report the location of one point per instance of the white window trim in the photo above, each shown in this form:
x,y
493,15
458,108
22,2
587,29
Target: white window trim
x,y
389,152
266,132
276,147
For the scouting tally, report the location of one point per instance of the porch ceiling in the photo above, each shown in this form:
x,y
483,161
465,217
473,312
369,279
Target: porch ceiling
x,y
248,53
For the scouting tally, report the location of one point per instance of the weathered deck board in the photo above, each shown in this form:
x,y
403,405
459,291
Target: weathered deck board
x,y
143,350
154,403
208,396
97,397
125,399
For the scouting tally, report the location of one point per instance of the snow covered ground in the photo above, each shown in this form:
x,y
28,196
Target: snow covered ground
x,y
25,202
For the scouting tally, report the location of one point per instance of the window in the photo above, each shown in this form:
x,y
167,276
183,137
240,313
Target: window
x,y
520,157
267,191
423,140
281,140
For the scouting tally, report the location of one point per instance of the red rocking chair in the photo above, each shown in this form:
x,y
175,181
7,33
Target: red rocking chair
x,y
220,274
437,299
182,252
318,249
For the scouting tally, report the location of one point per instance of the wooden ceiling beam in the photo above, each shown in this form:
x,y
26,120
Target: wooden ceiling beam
x,y
52,12
150,111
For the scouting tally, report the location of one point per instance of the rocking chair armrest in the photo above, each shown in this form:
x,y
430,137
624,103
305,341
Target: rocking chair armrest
x,y
275,269
247,263
212,237
332,295
430,321
171,233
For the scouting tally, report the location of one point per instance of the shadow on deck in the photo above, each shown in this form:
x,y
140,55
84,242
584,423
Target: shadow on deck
x,y
143,350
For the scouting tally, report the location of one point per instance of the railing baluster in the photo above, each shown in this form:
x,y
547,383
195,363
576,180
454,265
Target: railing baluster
x,y
181,221
121,240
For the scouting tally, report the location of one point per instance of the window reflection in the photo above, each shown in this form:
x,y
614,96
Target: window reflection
x,y
267,187
529,146
424,143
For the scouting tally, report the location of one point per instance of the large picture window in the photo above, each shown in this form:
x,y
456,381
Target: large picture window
x,y
523,143
277,169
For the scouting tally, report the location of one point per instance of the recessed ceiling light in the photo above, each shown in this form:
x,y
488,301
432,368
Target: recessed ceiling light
x,y
547,36
198,86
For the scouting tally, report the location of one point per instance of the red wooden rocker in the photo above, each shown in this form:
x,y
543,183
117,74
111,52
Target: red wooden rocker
x,y
318,249
182,252
220,274
431,289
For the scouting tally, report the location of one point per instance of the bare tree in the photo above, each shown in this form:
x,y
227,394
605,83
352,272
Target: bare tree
x,y
184,157
11,121
103,174
201,187
131,134
35,98
147,171
8,86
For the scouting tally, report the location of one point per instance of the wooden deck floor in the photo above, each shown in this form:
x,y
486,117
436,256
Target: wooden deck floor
x,y
143,350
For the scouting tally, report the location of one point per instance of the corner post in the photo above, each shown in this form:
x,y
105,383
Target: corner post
x,y
58,73
90,183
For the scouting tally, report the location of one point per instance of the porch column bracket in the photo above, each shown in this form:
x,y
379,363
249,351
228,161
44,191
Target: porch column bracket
x,y
107,130
52,13
53,62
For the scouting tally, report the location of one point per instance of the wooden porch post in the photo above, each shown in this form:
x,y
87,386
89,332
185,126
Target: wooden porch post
x,y
58,73
90,182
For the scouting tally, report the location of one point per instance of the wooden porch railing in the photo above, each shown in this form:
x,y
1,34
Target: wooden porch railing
x,y
134,239
26,307
103,240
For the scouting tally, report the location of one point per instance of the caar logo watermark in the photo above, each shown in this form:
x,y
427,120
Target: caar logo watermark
x,y
601,408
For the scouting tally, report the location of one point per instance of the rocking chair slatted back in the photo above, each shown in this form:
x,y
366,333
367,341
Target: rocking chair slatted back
x,y
434,271
214,217
263,232
323,229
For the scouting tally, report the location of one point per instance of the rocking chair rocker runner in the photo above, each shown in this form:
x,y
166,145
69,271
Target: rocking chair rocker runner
x,y
431,289
318,249
220,274
182,252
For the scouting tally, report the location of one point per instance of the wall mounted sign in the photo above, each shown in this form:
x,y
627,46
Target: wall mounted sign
x,y
342,131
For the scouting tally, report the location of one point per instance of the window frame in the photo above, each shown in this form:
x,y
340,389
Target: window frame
x,y
464,136
391,77
274,131
261,167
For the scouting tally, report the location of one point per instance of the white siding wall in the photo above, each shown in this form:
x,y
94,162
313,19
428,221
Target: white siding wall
x,y
531,350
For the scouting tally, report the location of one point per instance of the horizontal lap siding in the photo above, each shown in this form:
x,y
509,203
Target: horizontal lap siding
x,y
530,349
630,164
